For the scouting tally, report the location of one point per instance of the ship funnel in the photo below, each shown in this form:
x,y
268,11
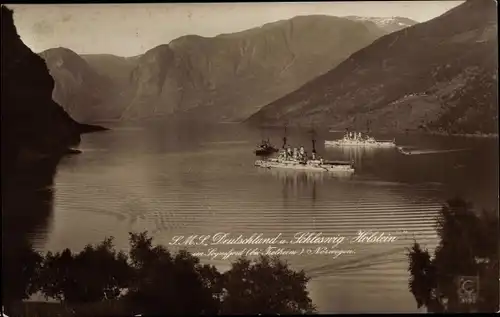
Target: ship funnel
x,y
284,139
313,134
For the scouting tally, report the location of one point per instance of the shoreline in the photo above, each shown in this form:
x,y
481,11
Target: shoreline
x,y
465,135
387,132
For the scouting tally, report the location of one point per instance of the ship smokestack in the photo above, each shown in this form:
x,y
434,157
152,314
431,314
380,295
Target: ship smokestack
x,y
284,138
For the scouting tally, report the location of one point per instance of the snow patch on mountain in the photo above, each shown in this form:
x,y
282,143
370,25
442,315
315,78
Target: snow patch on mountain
x,y
389,24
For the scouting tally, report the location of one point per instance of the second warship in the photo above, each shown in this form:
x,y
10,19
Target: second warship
x,y
357,139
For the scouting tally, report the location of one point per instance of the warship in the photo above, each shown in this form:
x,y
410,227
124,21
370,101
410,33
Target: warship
x,y
265,148
298,159
357,139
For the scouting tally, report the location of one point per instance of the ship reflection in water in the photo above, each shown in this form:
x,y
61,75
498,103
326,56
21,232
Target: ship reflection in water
x,y
356,154
304,179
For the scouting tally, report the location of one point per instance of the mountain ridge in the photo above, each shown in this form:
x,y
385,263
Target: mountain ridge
x,y
418,77
227,77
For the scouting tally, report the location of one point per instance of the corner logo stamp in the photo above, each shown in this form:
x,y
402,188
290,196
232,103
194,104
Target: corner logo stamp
x,y
468,289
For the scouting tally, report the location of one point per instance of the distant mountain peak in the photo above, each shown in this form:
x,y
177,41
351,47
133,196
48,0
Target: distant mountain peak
x,y
388,24
186,38
62,56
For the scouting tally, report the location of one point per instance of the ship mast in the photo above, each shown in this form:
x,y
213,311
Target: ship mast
x,y
262,135
284,138
313,139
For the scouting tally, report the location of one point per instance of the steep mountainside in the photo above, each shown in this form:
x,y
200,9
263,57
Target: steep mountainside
x,y
438,75
82,90
227,77
32,123
116,68
388,25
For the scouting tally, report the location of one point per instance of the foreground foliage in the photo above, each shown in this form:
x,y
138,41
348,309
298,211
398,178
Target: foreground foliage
x,y
149,280
469,247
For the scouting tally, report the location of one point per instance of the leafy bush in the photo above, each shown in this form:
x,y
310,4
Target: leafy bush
x,y
469,245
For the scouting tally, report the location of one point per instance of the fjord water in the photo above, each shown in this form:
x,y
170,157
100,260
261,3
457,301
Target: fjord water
x,y
180,178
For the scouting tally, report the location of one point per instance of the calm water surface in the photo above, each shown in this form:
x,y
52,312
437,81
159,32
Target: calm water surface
x,y
176,178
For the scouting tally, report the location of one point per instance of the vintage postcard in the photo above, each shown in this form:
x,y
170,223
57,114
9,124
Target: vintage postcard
x,y
250,158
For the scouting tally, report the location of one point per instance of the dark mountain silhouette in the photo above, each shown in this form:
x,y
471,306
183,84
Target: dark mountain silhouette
x,y
36,133
388,25
33,125
437,75
227,77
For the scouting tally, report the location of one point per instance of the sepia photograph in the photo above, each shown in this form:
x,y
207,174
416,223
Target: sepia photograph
x,y
272,158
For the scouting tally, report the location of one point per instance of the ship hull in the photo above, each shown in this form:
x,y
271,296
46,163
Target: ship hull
x,y
260,152
304,167
378,144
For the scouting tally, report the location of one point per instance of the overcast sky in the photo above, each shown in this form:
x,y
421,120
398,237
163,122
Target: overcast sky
x,y
132,29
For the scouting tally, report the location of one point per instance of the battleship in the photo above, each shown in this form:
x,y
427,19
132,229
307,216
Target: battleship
x,y
298,159
357,139
309,164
